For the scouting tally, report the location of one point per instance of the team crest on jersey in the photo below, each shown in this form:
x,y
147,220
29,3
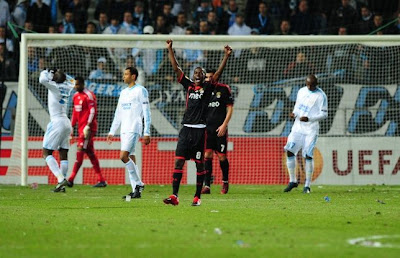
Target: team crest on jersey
x,y
201,91
218,95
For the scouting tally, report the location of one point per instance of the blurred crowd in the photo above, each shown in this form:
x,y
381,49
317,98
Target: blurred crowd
x,y
186,17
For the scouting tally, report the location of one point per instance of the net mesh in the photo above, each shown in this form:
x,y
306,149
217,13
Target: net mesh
x,y
360,81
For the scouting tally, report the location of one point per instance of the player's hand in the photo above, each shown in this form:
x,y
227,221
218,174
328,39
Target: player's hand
x,y
169,43
292,115
86,131
304,119
146,140
228,50
109,138
221,130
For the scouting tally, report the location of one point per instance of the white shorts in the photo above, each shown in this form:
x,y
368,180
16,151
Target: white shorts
x,y
57,134
129,141
297,141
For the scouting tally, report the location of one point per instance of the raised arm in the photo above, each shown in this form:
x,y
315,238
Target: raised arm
x,y
172,59
218,73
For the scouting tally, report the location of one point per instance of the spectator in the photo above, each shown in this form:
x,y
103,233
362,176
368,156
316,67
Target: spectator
x,y
299,68
4,13
262,21
100,72
91,28
170,19
213,23
103,22
40,15
202,11
239,27
28,27
33,61
366,22
79,9
20,12
218,8
203,28
3,40
254,32
115,27
161,26
7,65
377,24
229,17
67,26
140,18
181,25
344,15
342,31
128,25
302,21
284,28
396,27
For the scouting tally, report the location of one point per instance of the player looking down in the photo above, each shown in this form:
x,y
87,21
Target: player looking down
x,y
310,108
219,113
191,138
85,115
59,129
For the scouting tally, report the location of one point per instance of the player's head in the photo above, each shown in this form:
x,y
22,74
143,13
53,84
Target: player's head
x,y
199,75
209,74
130,75
59,76
311,82
79,83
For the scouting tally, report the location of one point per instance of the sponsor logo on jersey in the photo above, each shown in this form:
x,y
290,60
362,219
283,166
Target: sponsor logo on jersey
x,y
126,106
195,95
218,95
213,104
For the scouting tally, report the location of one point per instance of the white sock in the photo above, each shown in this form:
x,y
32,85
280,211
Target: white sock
x,y
64,167
291,166
53,165
309,171
138,172
133,175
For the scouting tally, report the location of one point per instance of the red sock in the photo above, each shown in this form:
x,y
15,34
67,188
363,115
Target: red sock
x,y
96,166
77,165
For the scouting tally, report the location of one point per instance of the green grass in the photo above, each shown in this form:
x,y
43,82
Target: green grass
x,y
255,221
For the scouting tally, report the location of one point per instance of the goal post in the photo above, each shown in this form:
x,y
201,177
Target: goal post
x,y
358,73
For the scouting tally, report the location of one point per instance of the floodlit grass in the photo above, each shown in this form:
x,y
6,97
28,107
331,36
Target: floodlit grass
x,y
250,221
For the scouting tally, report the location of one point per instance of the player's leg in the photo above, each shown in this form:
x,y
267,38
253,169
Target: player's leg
x,y
292,146
222,143
139,184
51,142
80,152
128,145
308,152
181,154
198,137
89,146
208,159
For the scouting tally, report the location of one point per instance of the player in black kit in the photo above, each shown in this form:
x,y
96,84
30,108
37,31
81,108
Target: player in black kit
x,y
192,136
219,114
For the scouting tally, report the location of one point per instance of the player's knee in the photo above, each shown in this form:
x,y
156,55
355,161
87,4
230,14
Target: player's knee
x,y
124,156
208,154
46,153
179,163
63,154
200,167
289,154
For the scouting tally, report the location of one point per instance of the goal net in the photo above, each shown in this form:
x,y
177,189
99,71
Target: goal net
x,y
359,75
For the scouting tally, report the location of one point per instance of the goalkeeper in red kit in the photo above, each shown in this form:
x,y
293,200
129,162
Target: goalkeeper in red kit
x,y
85,114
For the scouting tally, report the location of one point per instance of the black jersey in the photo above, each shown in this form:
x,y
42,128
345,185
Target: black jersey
x,y
221,98
197,99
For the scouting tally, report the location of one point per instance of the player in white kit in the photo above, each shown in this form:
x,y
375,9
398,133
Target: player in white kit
x,y
310,108
59,129
133,107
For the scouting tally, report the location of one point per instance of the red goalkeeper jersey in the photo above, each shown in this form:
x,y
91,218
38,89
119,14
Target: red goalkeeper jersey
x,y
85,110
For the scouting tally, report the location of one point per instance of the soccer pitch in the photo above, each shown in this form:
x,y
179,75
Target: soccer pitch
x,y
251,220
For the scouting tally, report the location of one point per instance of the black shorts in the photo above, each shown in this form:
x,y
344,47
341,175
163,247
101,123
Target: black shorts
x,y
191,143
215,143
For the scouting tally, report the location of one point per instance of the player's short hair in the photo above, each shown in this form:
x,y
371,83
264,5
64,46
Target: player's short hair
x,y
59,76
133,70
80,78
211,70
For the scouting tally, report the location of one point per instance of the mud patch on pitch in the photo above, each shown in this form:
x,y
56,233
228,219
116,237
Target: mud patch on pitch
x,y
382,241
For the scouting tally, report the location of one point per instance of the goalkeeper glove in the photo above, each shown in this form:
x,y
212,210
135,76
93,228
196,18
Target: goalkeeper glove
x,y
86,131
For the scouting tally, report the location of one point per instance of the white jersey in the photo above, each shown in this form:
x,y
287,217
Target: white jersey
x,y
133,106
312,104
58,95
